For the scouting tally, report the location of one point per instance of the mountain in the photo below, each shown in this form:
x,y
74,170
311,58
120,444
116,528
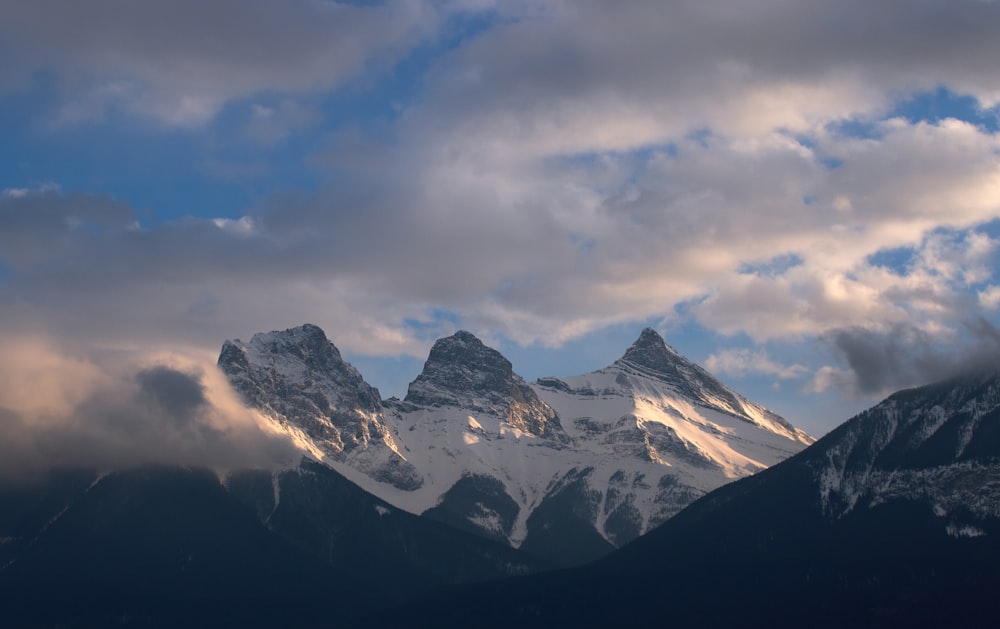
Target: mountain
x,y
893,519
298,378
155,547
164,546
565,469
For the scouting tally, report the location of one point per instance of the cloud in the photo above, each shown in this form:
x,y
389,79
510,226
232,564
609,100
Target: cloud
x,y
540,253
989,298
741,362
597,76
879,363
569,166
57,410
829,377
180,62
180,394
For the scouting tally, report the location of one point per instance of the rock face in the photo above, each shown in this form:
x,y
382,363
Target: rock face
x,y
567,469
299,378
462,372
938,445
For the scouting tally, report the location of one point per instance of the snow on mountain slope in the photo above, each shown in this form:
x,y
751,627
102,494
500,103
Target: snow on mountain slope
x,y
567,469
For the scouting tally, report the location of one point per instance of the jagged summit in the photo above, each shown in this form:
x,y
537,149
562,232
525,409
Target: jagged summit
x,y
652,352
462,365
298,377
306,344
651,356
462,371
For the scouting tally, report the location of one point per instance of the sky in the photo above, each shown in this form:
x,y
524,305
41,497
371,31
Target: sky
x,y
802,196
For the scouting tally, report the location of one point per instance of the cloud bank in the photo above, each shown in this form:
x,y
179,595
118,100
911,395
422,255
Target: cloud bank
x,y
563,167
57,411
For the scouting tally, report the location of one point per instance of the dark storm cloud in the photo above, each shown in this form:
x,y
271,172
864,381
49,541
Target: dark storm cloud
x,y
881,362
905,356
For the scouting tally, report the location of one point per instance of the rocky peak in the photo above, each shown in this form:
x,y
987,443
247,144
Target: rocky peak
x,y
300,376
463,372
651,356
652,352
460,365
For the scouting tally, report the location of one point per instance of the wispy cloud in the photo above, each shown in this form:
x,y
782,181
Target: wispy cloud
x,y
743,362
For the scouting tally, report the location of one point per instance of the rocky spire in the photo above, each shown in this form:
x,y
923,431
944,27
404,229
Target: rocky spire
x,y
463,372
651,356
651,352
299,374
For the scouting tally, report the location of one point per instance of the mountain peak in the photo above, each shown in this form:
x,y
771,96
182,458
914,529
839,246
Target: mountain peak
x,y
462,371
652,352
304,340
299,374
652,357
459,363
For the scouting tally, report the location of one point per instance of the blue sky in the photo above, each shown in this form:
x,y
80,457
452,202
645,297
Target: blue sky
x,y
803,197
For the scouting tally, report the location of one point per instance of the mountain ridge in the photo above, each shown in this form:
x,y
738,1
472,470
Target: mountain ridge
x,y
477,447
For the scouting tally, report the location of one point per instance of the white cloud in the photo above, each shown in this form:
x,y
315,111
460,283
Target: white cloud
x,y
829,377
989,297
742,362
578,164
597,76
243,226
58,408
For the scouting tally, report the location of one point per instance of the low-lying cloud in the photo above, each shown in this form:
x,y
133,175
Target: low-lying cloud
x,y
57,411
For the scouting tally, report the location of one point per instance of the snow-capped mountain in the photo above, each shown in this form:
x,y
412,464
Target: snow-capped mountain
x,y
566,469
299,379
892,519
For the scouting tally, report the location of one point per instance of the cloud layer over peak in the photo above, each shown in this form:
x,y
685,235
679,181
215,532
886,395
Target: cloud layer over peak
x,y
768,173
